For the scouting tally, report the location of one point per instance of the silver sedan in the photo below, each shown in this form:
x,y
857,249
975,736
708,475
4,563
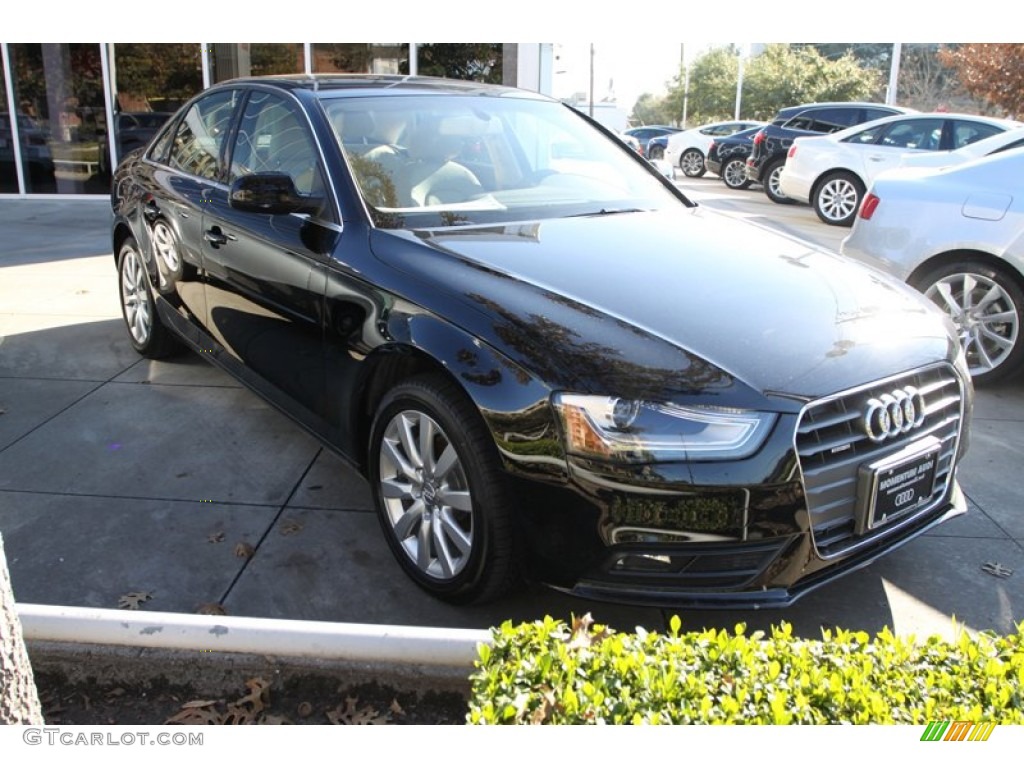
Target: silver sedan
x,y
957,235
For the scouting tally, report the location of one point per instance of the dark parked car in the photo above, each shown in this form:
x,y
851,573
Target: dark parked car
x,y
653,139
768,155
727,158
515,329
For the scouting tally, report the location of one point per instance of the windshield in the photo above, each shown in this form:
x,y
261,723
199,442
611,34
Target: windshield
x,y
427,161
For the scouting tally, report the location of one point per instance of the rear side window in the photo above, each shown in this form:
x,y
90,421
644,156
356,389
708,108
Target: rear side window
x,y
825,119
198,146
966,132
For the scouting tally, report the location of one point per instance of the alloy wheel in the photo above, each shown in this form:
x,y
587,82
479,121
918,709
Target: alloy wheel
x,y
735,174
138,308
838,199
692,163
163,244
426,495
986,318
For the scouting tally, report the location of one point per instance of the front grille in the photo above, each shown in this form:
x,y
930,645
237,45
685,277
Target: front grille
x,y
832,445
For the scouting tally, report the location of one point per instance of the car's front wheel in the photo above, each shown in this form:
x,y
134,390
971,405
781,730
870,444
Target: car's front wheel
x,y
148,335
734,173
985,303
837,198
691,163
440,496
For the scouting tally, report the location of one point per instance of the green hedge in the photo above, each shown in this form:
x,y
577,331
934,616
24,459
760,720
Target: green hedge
x,y
546,672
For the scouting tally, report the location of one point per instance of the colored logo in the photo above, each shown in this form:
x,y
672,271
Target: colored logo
x,y
957,730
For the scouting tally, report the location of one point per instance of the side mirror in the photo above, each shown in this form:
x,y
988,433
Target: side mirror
x,y
272,193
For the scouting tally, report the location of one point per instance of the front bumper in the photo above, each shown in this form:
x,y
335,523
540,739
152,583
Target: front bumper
x,y
810,506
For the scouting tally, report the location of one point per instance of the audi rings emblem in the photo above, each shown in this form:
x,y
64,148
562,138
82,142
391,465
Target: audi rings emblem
x,y
893,414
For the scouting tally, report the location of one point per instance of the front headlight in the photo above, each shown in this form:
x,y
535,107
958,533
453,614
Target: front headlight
x,y
640,431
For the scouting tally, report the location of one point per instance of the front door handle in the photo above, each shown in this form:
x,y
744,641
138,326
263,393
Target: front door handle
x,y
215,237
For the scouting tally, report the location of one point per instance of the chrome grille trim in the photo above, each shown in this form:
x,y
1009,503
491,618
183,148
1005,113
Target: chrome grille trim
x,y
830,475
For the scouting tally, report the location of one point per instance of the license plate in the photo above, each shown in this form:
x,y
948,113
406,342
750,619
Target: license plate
x,y
898,484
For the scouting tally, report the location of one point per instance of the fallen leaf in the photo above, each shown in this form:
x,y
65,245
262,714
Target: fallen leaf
x,y
275,720
206,715
396,708
115,692
997,569
290,526
244,549
351,714
305,709
211,609
216,538
132,600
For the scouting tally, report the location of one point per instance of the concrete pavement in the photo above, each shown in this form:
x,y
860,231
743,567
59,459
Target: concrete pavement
x,y
120,475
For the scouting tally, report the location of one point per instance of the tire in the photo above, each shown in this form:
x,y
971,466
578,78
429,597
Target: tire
x,y
657,152
770,183
734,173
691,163
148,335
986,304
460,552
837,198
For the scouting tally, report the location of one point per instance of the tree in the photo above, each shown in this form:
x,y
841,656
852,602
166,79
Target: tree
x,y
993,72
926,83
653,110
19,700
781,76
481,62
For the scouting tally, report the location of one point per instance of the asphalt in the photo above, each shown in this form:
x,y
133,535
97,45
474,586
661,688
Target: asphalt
x,y
122,476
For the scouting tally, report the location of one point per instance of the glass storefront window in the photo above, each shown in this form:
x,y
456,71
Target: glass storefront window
x,y
58,89
228,60
369,58
8,170
151,80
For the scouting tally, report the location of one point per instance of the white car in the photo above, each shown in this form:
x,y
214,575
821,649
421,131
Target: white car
x,y
957,235
999,143
831,172
687,150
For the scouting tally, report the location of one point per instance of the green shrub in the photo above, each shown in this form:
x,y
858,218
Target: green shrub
x,y
547,672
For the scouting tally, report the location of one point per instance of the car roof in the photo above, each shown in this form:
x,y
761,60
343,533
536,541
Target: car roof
x,y
338,83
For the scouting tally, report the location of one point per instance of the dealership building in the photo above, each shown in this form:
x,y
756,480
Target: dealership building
x,y
69,111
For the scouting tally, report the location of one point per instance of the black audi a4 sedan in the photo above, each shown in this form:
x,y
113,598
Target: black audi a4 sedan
x,y
548,363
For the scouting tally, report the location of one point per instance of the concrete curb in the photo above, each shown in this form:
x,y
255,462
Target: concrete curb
x,y
325,641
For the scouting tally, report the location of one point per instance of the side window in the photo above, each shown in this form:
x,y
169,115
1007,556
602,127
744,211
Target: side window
x,y
867,136
914,134
832,119
966,132
199,139
273,138
158,153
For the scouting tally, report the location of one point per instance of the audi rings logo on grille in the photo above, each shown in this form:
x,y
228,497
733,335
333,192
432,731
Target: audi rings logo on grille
x,y
893,414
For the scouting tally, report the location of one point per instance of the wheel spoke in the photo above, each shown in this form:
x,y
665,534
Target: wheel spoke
x,y
460,500
448,460
389,448
1009,316
944,290
426,446
444,556
1000,341
423,538
392,489
408,523
405,428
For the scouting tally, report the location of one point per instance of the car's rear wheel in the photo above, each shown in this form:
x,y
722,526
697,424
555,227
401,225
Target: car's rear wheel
x,y
837,198
770,182
147,333
691,163
985,303
734,173
440,496
657,152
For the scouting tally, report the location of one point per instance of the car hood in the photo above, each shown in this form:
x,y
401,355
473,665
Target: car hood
x,y
773,312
